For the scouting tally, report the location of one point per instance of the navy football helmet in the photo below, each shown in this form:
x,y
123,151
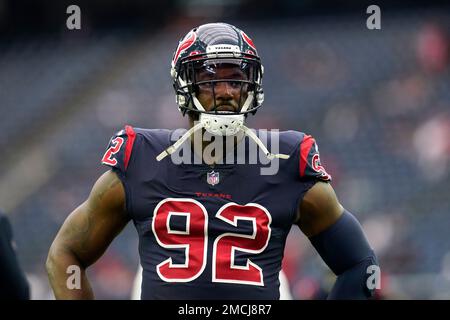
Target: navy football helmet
x,y
202,50
208,46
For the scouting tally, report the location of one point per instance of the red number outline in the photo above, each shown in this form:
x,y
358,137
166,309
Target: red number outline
x,y
317,167
118,142
220,239
250,266
186,247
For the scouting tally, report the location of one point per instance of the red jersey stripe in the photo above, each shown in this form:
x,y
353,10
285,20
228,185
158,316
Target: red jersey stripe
x,y
129,146
305,148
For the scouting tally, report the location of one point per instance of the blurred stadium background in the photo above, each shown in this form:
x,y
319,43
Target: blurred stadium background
x,y
377,101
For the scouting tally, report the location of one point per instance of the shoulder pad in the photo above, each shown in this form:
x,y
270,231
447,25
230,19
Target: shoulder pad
x,y
118,152
309,162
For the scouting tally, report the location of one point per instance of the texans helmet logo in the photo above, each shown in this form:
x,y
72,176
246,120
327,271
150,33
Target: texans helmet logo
x,y
185,44
248,40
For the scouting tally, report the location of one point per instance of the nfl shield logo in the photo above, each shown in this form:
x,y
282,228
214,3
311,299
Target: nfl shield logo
x,y
213,178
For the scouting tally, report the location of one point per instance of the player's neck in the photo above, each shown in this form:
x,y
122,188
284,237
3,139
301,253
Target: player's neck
x,y
212,151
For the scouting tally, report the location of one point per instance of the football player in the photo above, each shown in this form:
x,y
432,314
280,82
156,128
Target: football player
x,y
208,228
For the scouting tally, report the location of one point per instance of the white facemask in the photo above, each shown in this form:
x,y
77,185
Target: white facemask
x,y
221,125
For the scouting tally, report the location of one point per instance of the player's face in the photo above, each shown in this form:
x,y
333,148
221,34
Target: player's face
x,y
229,95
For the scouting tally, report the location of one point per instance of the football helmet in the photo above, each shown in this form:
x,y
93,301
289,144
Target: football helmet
x,y
205,48
202,50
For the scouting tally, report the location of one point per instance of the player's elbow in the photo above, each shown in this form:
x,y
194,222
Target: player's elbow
x,y
51,263
358,282
345,249
59,258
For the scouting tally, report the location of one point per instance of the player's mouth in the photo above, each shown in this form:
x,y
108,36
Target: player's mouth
x,y
226,109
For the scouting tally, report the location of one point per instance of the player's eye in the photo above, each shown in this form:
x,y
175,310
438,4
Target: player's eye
x,y
235,84
205,86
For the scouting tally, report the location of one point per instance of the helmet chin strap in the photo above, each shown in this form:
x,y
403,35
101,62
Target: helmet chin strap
x,y
179,142
258,141
221,125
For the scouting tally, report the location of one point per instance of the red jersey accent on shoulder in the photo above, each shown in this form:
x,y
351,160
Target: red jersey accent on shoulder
x,y
129,146
305,147
116,145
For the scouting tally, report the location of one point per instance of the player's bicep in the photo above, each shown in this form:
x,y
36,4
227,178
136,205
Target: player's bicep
x,y
91,227
319,209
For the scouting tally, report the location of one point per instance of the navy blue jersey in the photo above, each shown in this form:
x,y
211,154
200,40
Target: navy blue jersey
x,y
211,232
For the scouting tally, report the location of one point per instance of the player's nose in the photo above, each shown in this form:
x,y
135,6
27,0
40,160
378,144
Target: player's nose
x,y
224,90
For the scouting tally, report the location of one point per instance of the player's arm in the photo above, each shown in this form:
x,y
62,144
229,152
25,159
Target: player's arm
x,y
339,239
86,234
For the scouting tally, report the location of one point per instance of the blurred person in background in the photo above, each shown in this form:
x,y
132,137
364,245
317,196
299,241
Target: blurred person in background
x,y
208,229
13,283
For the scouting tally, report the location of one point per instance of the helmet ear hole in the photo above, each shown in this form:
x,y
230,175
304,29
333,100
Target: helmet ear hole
x,y
181,100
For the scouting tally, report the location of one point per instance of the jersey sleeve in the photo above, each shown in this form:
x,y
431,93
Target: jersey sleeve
x,y
118,152
309,160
